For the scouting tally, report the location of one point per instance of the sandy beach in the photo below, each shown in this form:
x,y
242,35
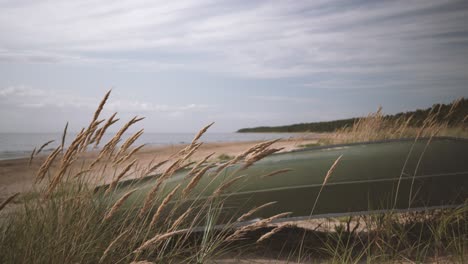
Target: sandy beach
x,y
17,175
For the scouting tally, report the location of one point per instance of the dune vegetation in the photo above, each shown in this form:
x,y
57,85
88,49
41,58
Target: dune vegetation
x,y
450,114
441,120
67,219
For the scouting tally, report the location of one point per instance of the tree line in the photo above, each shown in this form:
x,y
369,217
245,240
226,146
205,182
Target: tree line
x,y
458,113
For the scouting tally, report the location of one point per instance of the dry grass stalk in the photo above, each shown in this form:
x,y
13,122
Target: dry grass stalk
x,y
420,131
258,224
163,205
252,151
265,152
46,165
128,143
64,135
149,199
152,193
43,146
440,108
142,262
118,204
276,173
194,148
78,174
94,123
169,171
110,146
417,166
159,238
103,129
72,151
185,166
325,180
332,168
8,200
221,168
226,185
253,211
405,125
92,133
173,167
94,127
181,152
272,232
155,167
97,160
96,134
261,147
100,107
133,121
32,156
464,119
120,176
257,147
454,106
259,156
129,155
195,180
248,154
278,216
58,176
200,133
111,245
74,146
180,219
238,234
197,166
185,152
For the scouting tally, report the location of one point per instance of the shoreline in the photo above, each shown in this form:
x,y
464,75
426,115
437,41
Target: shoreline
x,y
24,151
16,175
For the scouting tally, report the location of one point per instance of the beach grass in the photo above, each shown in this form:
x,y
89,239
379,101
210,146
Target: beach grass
x,y
377,126
66,219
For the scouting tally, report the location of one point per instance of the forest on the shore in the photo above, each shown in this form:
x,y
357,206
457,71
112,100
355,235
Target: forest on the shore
x,y
459,114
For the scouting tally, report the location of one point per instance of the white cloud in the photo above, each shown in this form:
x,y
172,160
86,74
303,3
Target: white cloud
x,y
26,97
267,39
20,91
138,106
285,99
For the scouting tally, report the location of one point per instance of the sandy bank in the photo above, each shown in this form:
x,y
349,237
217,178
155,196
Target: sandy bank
x,y
18,175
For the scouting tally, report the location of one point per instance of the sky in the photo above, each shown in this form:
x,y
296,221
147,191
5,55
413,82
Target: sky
x,y
184,64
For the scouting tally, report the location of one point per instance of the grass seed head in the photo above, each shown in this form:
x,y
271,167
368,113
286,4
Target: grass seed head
x,y
117,205
8,200
163,205
201,132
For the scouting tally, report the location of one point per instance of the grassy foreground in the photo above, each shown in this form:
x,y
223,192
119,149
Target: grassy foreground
x,y
66,221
